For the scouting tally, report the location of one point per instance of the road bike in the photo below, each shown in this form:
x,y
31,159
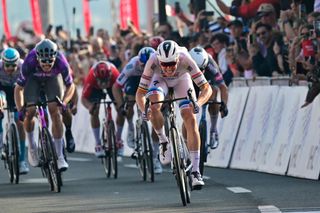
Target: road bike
x,y
11,146
47,152
181,163
143,151
109,145
204,147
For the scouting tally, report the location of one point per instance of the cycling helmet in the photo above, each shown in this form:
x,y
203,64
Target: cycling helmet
x,y
102,70
145,53
200,56
155,41
10,56
46,49
168,51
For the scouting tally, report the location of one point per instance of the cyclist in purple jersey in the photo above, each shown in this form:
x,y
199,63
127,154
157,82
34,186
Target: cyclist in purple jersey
x,y
47,70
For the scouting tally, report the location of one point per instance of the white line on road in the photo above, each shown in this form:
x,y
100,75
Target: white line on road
x,y
269,209
79,159
238,190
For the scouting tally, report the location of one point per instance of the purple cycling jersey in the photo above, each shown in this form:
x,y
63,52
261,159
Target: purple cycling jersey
x,y
31,67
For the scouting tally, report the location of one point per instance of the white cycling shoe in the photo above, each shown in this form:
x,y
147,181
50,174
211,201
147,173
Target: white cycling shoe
x,y
33,157
99,152
62,164
23,168
165,153
197,181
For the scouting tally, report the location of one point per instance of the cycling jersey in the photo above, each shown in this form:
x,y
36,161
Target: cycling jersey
x,y
133,68
185,65
31,68
8,82
91,84
213,73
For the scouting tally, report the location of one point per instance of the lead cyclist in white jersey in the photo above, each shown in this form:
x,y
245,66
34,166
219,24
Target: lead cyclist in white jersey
x,y
172,66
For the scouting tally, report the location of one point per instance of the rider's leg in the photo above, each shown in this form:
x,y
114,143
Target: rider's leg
x,y
214,114
129,115
29,128
67,121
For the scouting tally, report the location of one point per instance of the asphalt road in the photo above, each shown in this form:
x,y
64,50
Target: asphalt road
x,y
86,189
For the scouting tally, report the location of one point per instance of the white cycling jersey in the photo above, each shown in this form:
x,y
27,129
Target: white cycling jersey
x,y
9,80
133,68
186,65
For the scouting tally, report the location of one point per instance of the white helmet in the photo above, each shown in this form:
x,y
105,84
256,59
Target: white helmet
x,y
200,56
168,51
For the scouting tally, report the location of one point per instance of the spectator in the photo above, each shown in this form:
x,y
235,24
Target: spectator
x,y
261,51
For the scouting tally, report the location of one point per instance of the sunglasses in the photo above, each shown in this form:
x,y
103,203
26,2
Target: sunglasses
x,y
262,33
168,64
46,61
10,65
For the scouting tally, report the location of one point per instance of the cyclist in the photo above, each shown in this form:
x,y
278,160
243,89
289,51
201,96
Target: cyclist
x,y
213,75
44,67
101,77
10,67
129,80
173,66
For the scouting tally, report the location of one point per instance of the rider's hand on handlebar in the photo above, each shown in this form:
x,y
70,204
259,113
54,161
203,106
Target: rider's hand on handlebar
x,y
223,109
196,107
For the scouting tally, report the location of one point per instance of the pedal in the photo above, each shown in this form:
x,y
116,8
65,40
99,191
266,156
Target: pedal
x,y
134,156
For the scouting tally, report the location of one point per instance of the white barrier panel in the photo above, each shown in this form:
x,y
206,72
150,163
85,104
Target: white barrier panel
x,y
228,128
253,126
259,81
274,153
305,155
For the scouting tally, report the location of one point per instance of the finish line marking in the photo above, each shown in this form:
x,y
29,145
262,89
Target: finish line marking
x,y
238,190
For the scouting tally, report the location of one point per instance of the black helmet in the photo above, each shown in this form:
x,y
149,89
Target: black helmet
x,y
46,49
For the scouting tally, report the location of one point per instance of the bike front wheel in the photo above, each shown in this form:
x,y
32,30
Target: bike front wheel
x,y
203,145
147,152
178,165
50,161
110,160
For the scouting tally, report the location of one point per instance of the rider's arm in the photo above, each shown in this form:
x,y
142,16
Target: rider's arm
x,y
140,98
117,93
224,92
68,93
18,96
205,94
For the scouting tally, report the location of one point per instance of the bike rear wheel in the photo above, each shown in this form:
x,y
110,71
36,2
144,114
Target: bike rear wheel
x,y
203,145
50,161
178,165
147,152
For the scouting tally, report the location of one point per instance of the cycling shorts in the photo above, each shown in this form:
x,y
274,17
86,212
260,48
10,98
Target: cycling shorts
x,y
160,85
52,87
131,85
98,94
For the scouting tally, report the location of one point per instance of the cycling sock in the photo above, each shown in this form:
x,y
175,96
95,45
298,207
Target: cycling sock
x,y
130,124
161,134
31,142
96,133
155,149
22,150
195,159
214,119
119,132
58,143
